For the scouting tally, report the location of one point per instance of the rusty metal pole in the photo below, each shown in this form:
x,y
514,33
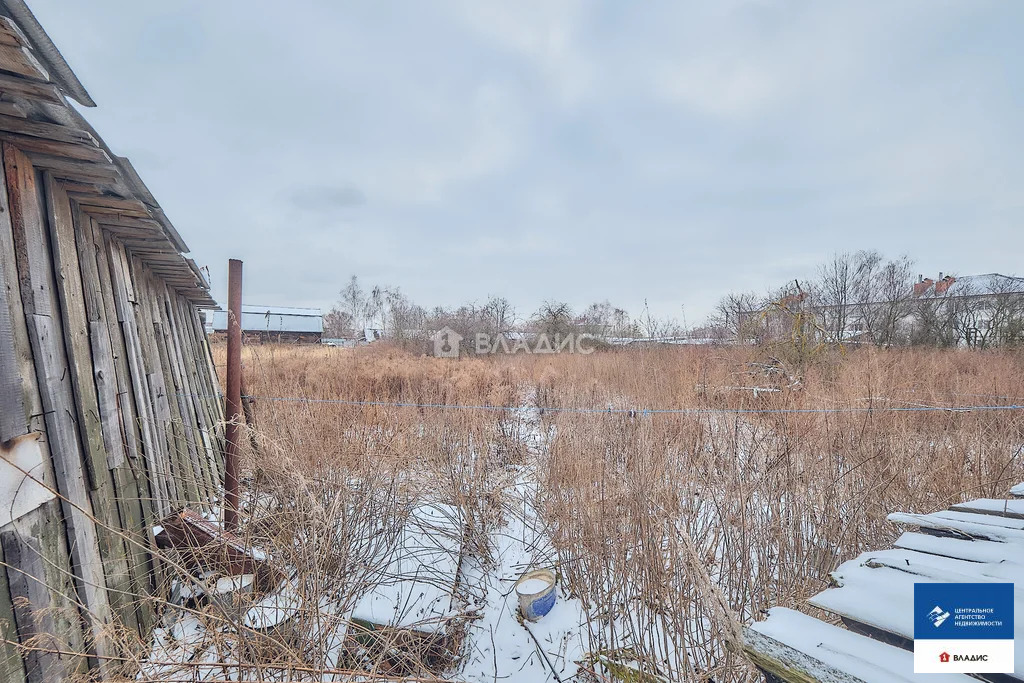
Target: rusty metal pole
x,y
233,399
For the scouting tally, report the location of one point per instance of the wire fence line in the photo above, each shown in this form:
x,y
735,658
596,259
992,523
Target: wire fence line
x,y
632,412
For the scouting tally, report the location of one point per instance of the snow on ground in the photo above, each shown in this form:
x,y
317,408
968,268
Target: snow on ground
x,y
414,590
502,646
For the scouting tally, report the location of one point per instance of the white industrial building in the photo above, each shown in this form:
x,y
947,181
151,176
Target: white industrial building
x,y
272,323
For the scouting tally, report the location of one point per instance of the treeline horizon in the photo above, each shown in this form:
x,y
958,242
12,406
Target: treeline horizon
x,y
390,310
861,297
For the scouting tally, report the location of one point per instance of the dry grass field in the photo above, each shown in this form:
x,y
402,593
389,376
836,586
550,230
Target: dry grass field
x,y
666,529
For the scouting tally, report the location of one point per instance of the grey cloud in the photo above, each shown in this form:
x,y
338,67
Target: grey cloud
x,y
574,150
326,199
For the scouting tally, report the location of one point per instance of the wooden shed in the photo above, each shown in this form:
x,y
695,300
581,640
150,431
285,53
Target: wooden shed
x,y
108,411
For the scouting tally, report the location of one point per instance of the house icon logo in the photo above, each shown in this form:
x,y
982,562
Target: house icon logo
x,y
446,343
944,657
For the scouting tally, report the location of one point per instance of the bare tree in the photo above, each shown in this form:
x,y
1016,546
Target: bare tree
x,y
882,292
375,306
622,326
500,315
554,318
1006,312
987,314
895,286
338,324
603,319
738,315
834,294
404,320
353,304
934,322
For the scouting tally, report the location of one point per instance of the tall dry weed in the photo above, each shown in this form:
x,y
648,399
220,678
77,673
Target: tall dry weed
x,y
769,492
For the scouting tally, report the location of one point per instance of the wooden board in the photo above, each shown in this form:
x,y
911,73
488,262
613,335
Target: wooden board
x,y
75,169
65,150
12,424
11,33
47,131
954,524
160,478
132,475
12,405
800,649
946,546
54,383
33,90
46,608
49,548
935,566
993,506
75,324
114,207
12,109
21,61
12,668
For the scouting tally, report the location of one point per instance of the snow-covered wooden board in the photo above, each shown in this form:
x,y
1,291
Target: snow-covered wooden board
x,y
1018,490
798,648
946,523
980,518
883,598
925,564
993,506
275,608
964,549
980,541
415,589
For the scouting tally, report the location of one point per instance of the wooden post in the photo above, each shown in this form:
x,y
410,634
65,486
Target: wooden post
x,y
233,400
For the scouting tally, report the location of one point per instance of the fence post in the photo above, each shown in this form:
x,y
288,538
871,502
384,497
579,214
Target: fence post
x,y
233,399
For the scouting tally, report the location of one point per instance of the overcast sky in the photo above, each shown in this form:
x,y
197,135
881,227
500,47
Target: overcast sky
x,y
578,151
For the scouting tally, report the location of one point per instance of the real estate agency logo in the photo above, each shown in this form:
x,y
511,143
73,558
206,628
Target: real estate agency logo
x,y
938,616
963,627
946,658
448,343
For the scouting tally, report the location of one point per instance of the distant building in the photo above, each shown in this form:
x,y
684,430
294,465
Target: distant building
x,y
973,306
972,310
983,310
279,324
989,286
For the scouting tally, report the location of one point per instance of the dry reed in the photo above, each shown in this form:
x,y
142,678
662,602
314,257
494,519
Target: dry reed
x,y
671,528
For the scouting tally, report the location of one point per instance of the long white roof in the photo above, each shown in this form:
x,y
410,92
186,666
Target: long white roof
x,y
272,319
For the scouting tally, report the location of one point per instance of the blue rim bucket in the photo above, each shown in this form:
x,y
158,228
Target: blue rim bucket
x,y
536,603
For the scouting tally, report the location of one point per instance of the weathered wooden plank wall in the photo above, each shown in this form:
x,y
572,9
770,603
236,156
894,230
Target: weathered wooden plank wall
x,y
109,362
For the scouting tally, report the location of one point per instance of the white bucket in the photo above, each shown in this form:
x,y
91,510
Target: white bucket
x,y
536,591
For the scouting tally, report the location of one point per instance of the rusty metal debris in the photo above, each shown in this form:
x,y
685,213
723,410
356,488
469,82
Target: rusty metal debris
x,y
206,545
